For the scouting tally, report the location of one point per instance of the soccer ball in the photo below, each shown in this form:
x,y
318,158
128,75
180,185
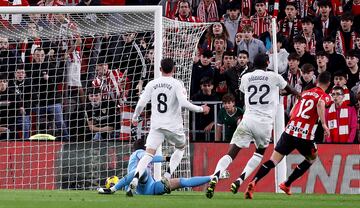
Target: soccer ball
x,y
111,181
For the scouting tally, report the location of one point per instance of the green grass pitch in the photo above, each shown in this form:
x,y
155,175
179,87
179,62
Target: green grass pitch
x,y
90,199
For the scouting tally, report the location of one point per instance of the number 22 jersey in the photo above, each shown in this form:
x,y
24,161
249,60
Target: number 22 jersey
x,y
304,117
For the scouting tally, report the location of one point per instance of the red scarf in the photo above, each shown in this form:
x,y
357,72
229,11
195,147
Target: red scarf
x,y
290,32
340,42
311,44
246,8
170,12
338,122
260,23
292,80
209,13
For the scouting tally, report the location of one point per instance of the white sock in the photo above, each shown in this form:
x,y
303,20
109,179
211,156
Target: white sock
x,y
143,163
113,189
223,163
251,165
175,159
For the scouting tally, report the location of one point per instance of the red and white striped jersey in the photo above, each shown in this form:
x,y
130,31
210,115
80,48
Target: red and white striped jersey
x,y
113,85
304,117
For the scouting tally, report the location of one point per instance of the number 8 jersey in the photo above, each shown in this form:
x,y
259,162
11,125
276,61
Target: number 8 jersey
x,y
168,95
261,89
304,116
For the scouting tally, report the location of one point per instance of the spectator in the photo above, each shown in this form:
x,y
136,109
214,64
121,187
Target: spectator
x,y
89,3
336,61
313,37
31,42
13,19
300,49
353,7
73,69
261,20
207,11
293,78
183,12
204,123
266,38
112,83
220,47
21,87
169,7
252,45
45,77
282,56
7,58
340,80
290,26
307,80
232,20
352,62
103,121
326,23
229,117
201,69
341,119
322,61
7,108
216,30
345,36
228,61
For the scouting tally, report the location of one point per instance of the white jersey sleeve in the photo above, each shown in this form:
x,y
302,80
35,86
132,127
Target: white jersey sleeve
x,y
182,97
281,81
145,97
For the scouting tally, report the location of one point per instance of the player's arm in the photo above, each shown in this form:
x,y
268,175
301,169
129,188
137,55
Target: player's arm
x,y
181,95
283,85
144,99
321,112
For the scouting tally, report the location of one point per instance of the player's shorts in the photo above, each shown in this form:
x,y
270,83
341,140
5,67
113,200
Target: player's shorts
x,y
251,130
287,143
157,136
73,74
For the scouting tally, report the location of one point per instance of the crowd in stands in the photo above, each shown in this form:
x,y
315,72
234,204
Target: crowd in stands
x,y
59,77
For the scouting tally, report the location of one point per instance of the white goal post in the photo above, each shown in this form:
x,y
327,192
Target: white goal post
x,y
118,49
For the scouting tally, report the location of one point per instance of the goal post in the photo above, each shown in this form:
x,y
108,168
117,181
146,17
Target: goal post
x,y
63,137
280,169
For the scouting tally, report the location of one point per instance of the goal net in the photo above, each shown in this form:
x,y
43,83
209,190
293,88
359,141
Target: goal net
x,y
69,82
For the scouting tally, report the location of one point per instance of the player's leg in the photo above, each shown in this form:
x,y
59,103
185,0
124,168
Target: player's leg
x,y
179,140
251,165
242,138
176,183
284,146
309,150
261,133
154,140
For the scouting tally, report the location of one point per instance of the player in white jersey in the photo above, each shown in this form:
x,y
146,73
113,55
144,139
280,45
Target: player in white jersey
x,y
260,88
167,96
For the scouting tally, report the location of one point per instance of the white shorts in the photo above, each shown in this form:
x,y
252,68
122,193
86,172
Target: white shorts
x,y
74,74
251,130
157,136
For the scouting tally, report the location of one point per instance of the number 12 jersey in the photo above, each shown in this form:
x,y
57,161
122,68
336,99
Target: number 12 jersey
x,y
304,117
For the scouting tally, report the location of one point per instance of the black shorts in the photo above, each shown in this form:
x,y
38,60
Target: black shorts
x,y
288,143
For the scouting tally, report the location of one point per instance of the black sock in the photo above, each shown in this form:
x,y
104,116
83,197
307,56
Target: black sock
x,y
242,176
136,175
217,174
264,170
298,171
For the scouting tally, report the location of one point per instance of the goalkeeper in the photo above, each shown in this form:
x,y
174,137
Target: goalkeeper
x,y
147,184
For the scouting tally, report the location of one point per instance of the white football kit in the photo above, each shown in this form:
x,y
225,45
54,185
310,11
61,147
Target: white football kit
x,y
168,95
260,89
